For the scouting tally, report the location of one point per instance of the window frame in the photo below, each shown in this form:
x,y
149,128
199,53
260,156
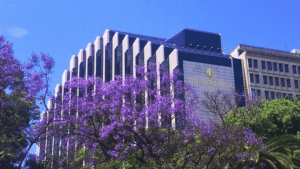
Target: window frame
x,y
286,68
271,80
288,83
269,64
263,64
280,65
250,63
265,80
294,69
256,78
282,80
277,83
255,63
296,82
275,66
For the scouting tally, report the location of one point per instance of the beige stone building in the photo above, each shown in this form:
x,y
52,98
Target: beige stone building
x,y
269,73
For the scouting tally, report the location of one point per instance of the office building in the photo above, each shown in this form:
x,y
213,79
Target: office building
x,y
269,73
197,54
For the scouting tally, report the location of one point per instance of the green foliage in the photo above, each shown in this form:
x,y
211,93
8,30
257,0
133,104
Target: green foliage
x,y
15,115
277,152
274,118
278,122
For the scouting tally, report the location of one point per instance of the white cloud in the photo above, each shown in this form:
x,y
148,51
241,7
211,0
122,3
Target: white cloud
x,y
17,32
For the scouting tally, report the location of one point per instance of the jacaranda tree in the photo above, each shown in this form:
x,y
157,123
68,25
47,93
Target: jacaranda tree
x,y
130,123
20,87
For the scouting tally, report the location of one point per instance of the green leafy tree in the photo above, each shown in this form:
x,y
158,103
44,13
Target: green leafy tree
x,y
272,120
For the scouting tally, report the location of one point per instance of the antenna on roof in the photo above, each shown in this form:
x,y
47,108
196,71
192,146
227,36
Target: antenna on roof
x,y
216,49
195,47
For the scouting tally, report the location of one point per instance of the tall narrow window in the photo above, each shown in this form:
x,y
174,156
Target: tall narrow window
x,y
286,67
257,78
263,64
294,69
267,94
250,63
258,93
265,79
288,82
282,82
299,70
296,84
269,65
275,66
276,81
255,63
253,92
280,67
278,95
271,80
283,95
272,95
251,78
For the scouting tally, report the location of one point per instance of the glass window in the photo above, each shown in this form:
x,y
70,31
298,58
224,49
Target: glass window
x,y
263,64
271,80
272,95
255,64
276,81
275,66
253,92
298,69
282,82
265,79
251,78
290,96
280,67
278,95
294,69
296,84
257,78
250,62
283,95
269,65
258,93
286,67
288,82
267,94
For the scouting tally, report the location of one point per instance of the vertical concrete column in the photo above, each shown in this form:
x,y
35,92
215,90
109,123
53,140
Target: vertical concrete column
x,y
115,42
81,63
173,63
105,42
55,140
98,52
125,47
65,78
48,138
73,66
40,148
147,55
90,60
135,52
160,55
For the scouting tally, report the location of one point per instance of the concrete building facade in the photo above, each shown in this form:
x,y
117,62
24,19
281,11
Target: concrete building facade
x,y
197,54
269,73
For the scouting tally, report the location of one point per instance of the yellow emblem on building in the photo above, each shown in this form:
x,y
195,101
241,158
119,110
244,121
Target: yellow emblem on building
x,y
209,73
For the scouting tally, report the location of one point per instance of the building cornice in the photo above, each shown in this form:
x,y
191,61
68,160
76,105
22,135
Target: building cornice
x,y
268,51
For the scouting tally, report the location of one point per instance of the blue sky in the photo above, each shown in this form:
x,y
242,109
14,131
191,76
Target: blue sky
x,y
62,28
